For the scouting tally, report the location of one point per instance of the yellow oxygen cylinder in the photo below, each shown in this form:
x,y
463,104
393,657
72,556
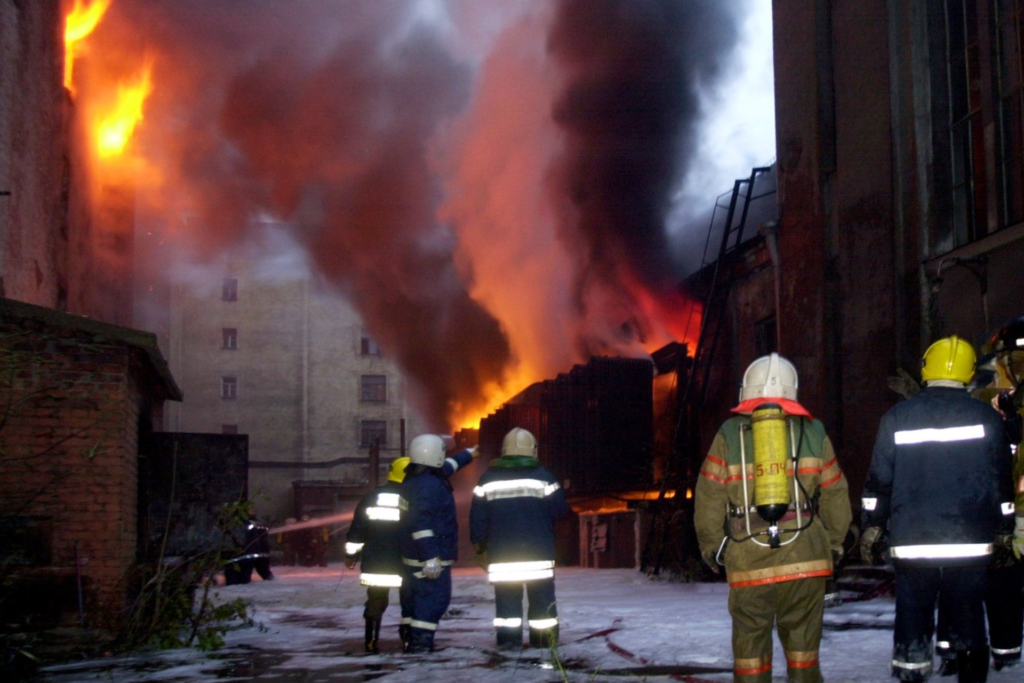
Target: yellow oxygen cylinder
x,y
771,485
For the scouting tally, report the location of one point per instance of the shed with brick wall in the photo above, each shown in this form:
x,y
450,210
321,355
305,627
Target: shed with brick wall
x,y
75,396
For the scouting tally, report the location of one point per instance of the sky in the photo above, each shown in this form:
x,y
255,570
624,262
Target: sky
x,y
499,187
616,624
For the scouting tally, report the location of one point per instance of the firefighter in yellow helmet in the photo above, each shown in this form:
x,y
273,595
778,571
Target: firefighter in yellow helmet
x,y
375,539
772,506
938,488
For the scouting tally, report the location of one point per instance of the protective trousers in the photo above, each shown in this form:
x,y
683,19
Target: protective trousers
x,y
377,600
542,613
1004,604
429,601
959,594
796,607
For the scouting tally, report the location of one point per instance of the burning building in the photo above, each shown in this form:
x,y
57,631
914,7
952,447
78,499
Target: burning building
x,y
900,204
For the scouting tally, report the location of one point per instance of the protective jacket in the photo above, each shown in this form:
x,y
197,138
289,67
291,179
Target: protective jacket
x,y
375,535
939,480
514,507
430,528
255,543
821,505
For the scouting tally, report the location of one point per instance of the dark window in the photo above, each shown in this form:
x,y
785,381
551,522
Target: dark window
x,y
228,387
368,347
966,129
765,336
230,289
373,433
1010,75
230,336
229,429
373,388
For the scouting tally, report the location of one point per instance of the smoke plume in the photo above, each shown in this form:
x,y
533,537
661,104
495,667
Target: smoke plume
x,y
487,182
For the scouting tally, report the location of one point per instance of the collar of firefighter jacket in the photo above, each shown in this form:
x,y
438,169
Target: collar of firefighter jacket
x,y
513,461
791,407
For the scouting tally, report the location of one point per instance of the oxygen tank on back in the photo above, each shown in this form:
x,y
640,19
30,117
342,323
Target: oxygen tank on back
x,y
771,490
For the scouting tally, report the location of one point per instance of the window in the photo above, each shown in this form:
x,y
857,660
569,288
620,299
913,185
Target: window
x,y
229,292
229,429
368,347
966,128
373,388
765,336
1010,115
228,387
373,432
230,337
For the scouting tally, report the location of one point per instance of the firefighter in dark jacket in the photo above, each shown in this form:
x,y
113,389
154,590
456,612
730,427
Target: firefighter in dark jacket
x,y
430,537
937,491
252,551
1004,602
511,522
773,506
374,540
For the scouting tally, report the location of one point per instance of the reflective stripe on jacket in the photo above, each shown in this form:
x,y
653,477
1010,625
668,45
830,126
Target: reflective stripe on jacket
x,y
515,505
939,478
719,490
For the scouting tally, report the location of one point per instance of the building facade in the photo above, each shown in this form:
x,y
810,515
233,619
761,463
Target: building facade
x,y
292,367
900,195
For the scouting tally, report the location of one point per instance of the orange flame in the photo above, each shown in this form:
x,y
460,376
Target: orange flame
x,y
115,129
81,21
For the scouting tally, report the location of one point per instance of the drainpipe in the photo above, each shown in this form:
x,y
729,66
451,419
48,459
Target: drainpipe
x,y
770,232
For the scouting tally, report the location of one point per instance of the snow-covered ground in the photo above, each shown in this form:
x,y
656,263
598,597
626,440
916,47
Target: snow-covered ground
x,y
616,624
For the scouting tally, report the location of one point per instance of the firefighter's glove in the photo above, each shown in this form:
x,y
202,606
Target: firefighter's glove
x,y
1018,537
432,569
711,562
350,562
480,555
474,452
872,545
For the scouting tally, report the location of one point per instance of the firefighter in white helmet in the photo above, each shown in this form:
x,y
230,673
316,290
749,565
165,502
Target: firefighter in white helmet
x,y
430,537
772,506
374,540
939,489
512,524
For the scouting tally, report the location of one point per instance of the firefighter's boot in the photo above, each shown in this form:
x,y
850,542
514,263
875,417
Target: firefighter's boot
x,y
403,635
372,635
544,637
972,665
421,641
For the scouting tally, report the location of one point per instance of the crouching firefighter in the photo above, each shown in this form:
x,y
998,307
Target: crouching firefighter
x,y
772,506
512,524
374,540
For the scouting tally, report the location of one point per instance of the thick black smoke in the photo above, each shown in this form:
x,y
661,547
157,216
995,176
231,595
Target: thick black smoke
x,y
630,110
326,114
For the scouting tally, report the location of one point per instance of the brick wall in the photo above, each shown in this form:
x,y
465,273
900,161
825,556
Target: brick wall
x,y
74,402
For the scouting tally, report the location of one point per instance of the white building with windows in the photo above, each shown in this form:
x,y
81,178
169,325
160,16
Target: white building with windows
x,y
290,365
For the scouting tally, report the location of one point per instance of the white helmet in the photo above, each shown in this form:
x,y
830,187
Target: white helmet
x,y
428,450
519,442
770,376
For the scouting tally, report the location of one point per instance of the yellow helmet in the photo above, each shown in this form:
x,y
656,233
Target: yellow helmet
x,y
950,358
397,471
